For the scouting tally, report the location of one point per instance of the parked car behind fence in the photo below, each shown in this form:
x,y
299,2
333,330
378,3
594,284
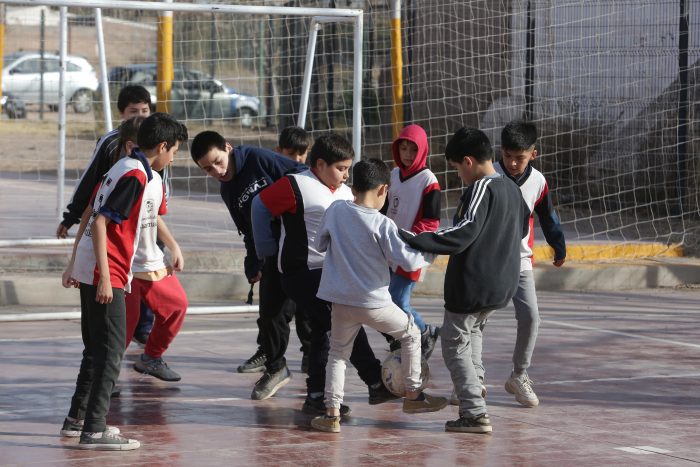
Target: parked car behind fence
x,y
21,78
194,95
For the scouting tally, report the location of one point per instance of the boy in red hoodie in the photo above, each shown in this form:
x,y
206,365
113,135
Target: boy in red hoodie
x,y
413,204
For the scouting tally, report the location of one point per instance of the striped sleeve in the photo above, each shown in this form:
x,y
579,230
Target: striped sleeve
x,y
456,239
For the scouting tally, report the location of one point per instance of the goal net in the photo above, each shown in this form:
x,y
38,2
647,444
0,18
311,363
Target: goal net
x,y
607,82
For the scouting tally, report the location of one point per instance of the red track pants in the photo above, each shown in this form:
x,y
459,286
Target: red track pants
x,y
168,301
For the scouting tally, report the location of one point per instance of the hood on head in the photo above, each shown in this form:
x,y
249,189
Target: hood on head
x,y
415,134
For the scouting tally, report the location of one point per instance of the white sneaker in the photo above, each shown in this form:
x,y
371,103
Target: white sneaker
x,y
521,387
454,400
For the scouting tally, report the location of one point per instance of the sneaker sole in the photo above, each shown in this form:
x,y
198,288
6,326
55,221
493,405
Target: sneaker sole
x,y
470,429
324,428
524,402
110,447
146,372
258,369
273,391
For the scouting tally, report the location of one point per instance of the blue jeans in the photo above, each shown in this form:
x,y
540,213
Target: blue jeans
x,y
400,289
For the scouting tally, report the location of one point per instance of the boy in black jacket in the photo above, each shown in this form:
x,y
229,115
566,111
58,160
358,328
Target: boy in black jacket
x,y
243,172
483,269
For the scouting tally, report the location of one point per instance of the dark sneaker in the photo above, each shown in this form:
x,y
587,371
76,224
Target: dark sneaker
x,y
106,441
316,406
74,429
156,367
428,404
428,340
268,385
254,364
116,391
305,364
480,424
381,395
326,423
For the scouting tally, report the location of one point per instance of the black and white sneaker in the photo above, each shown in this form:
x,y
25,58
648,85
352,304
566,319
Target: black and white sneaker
x,y
254,364
156,367
478,424
106,441
73,429
268,385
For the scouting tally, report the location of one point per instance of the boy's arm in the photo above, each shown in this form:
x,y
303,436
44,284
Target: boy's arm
x,y
99,244
323,237
265,241
398,253
551,227
67,278
99,165
428,219
164,235
456,239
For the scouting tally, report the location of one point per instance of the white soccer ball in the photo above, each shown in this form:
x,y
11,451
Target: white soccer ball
x,y
393,377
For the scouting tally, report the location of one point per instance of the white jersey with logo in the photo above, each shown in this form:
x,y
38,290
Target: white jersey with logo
x,y
149,257
405,198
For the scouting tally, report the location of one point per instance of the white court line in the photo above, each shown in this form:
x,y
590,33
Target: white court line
x,y
604,380
644,450
625,334
182,333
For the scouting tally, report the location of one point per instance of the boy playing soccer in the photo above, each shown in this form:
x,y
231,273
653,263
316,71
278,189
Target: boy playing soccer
x,y
243,172
482,272
300,200
413,204
153,280
101,267
518,140
361,245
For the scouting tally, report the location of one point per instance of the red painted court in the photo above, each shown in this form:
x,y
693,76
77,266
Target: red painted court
x,y
617,375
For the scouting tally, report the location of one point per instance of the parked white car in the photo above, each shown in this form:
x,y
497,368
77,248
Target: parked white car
x,y
21,77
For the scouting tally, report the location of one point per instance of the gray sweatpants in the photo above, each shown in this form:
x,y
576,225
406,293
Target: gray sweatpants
x,y
461,349
528,317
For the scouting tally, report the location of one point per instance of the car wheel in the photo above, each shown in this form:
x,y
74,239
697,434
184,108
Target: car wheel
x,y
82,101
246,117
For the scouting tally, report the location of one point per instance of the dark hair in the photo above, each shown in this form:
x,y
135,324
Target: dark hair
x,y
469,142
160,127
296,138
369,174
519,135
128,131
331,148
132,94
204,142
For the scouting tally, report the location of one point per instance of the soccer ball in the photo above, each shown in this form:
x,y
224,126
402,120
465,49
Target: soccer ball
x,y
393,377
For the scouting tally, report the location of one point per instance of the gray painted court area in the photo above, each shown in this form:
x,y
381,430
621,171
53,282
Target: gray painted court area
x,y
616,373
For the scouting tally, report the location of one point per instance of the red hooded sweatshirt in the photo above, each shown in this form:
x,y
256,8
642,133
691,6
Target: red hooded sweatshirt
x,y
414,195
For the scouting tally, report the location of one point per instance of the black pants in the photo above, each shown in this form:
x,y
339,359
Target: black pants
x,y
104,330
273,323
302,287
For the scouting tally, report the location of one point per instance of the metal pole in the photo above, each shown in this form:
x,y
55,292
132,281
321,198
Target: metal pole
x,y
42,61
306,84
682,129
103,70
357,91
396,68
529,62
2,42
61,175
165,59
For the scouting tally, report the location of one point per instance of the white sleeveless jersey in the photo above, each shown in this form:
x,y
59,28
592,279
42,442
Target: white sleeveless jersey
x,y
148,256
405,198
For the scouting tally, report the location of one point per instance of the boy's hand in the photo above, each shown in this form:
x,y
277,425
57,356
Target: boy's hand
x,y
558,262
104,292
61,231
67,280
256,278
177,259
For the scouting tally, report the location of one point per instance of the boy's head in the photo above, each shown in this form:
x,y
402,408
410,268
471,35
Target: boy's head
x,y
134,101
518,140
331,158
294,143
211,152
468,151
159,138
410,149
128,133
370,174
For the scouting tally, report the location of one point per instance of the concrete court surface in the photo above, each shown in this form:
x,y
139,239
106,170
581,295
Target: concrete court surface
x,y
617,375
